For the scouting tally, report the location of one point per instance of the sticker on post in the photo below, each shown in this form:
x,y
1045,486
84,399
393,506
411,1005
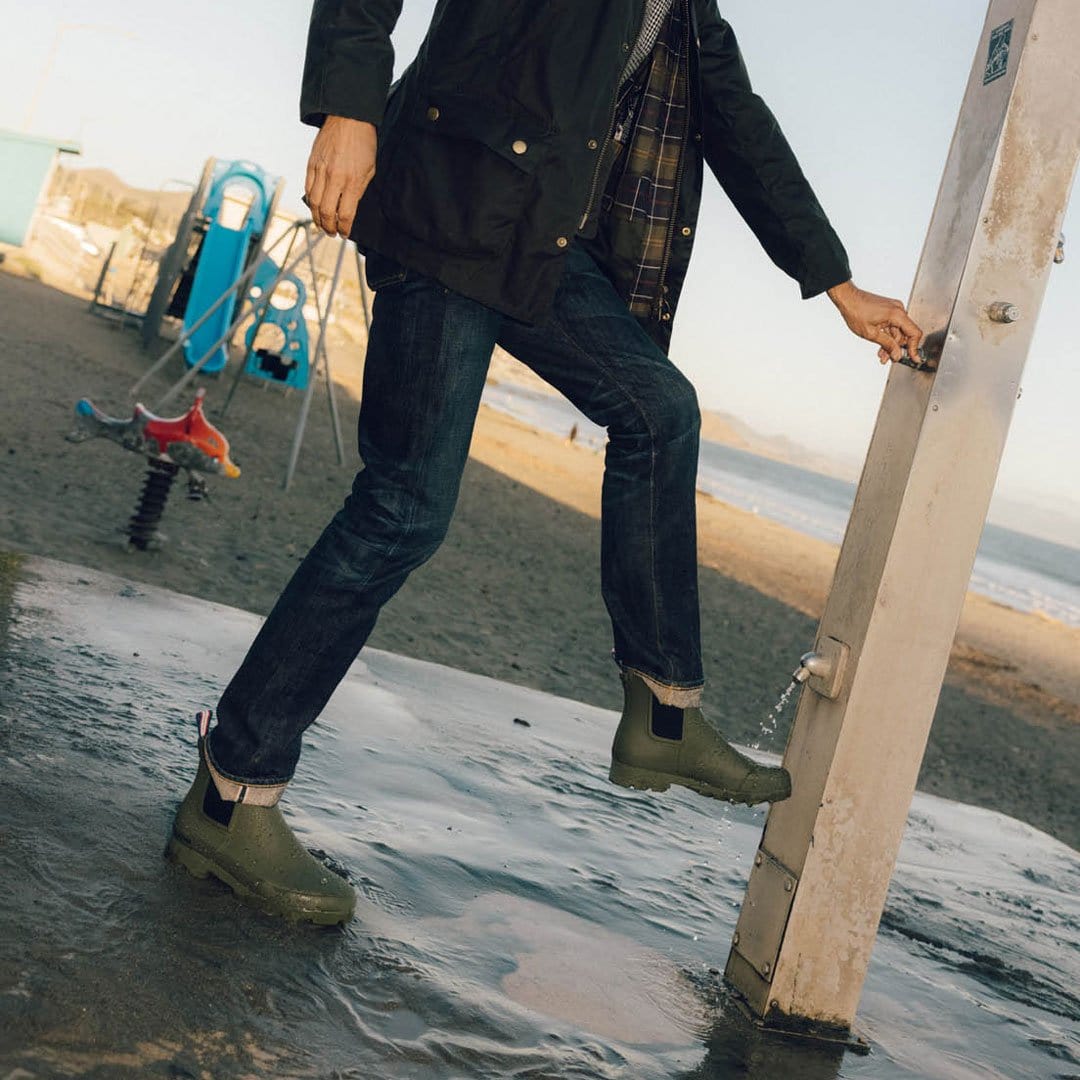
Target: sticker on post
x,y
997,64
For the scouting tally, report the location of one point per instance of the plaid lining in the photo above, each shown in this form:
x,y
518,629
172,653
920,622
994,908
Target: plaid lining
x,y
643,184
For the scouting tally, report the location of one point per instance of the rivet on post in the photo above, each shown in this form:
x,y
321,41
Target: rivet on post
x,y
1001,311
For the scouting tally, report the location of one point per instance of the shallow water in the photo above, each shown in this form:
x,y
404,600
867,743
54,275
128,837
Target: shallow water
x,y
519,916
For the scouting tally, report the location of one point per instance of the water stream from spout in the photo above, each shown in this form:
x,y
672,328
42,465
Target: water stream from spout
x,y
772,718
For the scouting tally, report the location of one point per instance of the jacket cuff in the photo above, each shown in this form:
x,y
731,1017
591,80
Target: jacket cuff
x,y
315,111
825,278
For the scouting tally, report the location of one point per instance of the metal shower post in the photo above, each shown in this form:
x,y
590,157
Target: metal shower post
x,y
818,886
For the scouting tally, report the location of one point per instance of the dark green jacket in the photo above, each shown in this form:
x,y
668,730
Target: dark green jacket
x,y
488,144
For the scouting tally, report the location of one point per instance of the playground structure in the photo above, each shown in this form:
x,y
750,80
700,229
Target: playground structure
x,y
817,890
222,233
217,277
226,248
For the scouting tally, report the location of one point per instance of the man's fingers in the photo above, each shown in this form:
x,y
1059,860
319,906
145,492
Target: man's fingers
x,y
316,189
910,330
350,199
327,219
888,342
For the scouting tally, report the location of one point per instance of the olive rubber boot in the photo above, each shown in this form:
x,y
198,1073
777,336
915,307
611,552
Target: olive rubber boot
x,y
251,849
697,757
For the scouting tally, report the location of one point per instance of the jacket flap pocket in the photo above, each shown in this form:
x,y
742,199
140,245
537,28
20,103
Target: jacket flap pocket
x,y
517,141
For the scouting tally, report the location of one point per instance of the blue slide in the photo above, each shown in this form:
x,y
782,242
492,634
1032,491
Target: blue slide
x,y
222,258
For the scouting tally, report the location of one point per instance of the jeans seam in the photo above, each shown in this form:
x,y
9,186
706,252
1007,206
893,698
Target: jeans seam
x,y
592,358
411,521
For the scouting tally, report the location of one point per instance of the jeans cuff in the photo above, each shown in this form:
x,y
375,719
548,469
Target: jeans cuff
x,y
679,697
258,793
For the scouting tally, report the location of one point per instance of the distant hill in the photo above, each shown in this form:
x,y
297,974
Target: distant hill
x,y
100,195
731,431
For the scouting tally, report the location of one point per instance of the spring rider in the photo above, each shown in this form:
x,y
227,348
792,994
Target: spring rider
x,y
188,442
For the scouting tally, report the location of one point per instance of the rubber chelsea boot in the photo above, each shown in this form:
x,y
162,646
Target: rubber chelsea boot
x,y
647,757
243,840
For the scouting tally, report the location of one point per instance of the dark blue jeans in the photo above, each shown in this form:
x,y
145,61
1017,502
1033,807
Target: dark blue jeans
x,y
427,360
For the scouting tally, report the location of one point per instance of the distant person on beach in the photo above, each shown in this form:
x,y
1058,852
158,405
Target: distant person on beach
x,y
532,181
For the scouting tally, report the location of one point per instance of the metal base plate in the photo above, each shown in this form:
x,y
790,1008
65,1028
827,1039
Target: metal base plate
x,y
804,1031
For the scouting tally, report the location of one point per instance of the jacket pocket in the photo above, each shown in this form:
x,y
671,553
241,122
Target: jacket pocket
x,y
460,175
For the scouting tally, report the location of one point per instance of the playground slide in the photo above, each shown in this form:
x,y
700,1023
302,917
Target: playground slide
x,y
220,264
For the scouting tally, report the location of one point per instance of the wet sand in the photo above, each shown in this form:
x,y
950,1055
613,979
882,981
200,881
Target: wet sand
x,y
514,593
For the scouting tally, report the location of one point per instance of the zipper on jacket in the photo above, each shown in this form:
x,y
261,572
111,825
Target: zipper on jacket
x,y
661,301
603,151
601,157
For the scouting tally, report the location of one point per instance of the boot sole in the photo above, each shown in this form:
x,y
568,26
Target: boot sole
x,y
199,866
637,779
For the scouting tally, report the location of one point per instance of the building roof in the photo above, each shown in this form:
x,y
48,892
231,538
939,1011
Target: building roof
x,y
64,146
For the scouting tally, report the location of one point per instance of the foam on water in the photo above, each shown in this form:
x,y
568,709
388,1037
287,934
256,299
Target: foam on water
x,y
519,916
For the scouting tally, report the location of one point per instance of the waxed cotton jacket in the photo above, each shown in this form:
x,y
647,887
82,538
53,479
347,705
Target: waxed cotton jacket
x,y
490,140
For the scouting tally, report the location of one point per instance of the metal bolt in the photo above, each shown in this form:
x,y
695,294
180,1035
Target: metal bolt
x,y
1001,311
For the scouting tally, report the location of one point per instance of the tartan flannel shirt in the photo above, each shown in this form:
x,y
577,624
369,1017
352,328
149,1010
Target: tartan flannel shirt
x,y
650,138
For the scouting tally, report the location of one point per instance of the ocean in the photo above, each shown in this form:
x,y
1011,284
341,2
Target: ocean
x,y
1012,568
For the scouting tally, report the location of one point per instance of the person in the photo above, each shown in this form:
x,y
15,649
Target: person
x,y
532,181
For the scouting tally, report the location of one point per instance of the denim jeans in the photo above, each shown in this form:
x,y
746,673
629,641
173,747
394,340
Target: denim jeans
x,y
427,360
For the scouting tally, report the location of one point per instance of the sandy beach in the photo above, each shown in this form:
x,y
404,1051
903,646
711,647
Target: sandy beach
x,y
514,593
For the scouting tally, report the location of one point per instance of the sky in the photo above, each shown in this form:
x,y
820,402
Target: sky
x,y
868,98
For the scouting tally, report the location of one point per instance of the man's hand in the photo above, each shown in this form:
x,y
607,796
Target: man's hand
x,y
340,167
882,321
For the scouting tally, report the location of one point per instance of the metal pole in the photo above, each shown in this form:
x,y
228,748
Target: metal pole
x,y
819,881
240,283
331,394
305,407
99,287
324,320
263,309
363,291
